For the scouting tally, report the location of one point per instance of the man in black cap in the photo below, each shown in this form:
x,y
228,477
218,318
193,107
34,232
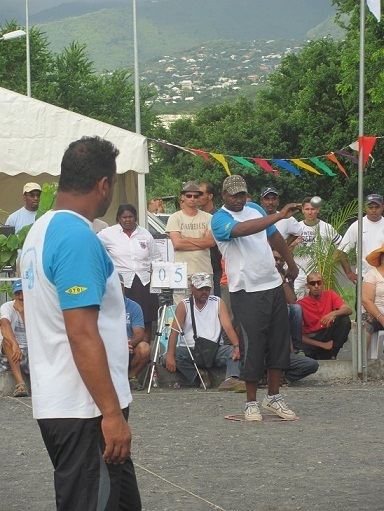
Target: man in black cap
x,y
289,228
242,231
373,235
190,233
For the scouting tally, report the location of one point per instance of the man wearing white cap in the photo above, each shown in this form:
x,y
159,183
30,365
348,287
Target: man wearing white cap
x,y
27,214
211,315
242,231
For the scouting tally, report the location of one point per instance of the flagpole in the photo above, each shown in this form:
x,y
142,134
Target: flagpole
x,y
361,341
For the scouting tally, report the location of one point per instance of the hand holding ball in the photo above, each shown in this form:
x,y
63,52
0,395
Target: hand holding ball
x,y
316,202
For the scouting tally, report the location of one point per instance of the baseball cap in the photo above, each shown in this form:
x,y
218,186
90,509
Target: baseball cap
x,y
271,189
191,186
374,197
234,184
17,286
29,187
200,280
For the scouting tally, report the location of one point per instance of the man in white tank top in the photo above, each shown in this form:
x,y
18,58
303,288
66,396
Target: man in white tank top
x,y
211,315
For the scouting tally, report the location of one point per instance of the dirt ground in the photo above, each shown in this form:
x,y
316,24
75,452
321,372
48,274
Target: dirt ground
x,y
188,457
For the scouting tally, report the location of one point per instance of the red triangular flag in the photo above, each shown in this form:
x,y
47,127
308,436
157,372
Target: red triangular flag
x,y
366,143
200,153
265,165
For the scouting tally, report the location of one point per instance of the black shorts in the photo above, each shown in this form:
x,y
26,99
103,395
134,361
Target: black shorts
x,y
83,480
262,318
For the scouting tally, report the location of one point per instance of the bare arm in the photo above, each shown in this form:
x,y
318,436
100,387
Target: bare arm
x,y
329,318
180,313
138,336
318,344
10,340
91,361
226,323
343,257
259,224
189,244
368,299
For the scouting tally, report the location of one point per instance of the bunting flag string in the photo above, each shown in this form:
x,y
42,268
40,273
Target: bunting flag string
x,y
365,144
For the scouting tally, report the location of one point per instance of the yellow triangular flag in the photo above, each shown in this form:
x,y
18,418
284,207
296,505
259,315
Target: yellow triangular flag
x,y
305,166
222,160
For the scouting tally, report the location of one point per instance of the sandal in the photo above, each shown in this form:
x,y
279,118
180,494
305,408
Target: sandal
x,y
20,390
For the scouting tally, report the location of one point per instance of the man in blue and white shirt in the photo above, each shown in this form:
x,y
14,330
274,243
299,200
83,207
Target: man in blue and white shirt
x,y
75,320
242,231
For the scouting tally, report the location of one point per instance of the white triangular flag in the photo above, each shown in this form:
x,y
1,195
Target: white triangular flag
x,y
375,8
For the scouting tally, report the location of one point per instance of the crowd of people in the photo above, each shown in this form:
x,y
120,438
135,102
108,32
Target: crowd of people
x,y
81,318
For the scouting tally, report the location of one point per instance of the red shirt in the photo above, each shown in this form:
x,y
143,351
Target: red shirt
x,y
315,310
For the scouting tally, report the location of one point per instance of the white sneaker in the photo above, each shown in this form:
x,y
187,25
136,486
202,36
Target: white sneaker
x,y
252,412
276,404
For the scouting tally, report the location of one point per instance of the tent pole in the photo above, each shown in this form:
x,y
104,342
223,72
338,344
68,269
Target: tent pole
x,y
141,194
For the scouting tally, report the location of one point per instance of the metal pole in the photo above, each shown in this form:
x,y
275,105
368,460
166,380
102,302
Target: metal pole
x,y
361,341
28,50
142,199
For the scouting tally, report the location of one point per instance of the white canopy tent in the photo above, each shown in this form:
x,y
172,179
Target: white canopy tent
x,y
33,138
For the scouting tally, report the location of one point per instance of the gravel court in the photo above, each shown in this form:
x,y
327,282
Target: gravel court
x,y
189,458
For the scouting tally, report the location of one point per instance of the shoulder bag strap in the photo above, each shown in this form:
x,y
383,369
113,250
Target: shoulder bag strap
x,y
193,317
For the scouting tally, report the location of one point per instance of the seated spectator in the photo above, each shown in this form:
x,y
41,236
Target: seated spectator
x,y
326,324
300,366
294,311
139,350
211,316
14,340
373,293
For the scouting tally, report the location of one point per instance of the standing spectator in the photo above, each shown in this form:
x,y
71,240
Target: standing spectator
x,y
77,341
312,228
289,228
133,249
27,214
373,235
190,233
206,204
242,231
326,324
14,339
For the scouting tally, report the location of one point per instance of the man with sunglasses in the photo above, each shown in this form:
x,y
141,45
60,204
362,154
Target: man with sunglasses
x,y
191,236
27,214
326,324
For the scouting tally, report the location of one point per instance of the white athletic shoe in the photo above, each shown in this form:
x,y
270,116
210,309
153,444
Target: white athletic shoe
x,y
252,412
276,404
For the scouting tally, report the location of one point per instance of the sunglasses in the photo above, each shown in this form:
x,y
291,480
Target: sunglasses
x,y
33,195
194,195
314,282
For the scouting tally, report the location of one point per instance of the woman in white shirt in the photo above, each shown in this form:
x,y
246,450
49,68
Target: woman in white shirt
x,y
132,249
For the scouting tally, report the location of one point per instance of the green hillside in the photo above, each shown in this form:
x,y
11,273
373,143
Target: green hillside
x,y
168,26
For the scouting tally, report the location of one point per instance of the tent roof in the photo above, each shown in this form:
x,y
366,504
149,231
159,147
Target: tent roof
x,y
34,136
